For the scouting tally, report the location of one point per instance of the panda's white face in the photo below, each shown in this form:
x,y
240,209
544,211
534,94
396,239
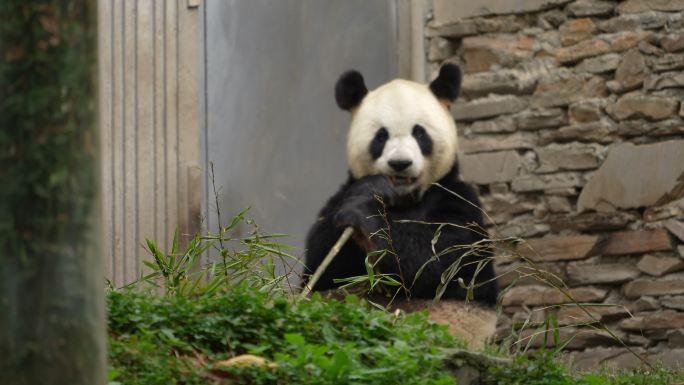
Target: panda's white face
x,y
403,131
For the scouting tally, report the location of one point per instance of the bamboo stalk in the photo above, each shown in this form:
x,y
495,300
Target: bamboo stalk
x,y
326,261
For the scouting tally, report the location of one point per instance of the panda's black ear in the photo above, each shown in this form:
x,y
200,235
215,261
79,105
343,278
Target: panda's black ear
x,y
448,82
350,90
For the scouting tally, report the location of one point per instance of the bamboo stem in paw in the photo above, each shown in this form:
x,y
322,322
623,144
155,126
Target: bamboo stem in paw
x,y
326,261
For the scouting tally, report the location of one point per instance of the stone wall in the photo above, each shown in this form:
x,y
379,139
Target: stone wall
x,y
571,125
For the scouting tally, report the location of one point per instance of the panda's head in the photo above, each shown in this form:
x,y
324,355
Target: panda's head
x,y
402,129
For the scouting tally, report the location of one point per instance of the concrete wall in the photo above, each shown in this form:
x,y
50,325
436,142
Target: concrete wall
x,y
273,131
149,127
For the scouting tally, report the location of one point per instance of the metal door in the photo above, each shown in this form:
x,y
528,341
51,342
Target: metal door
x,y
272,128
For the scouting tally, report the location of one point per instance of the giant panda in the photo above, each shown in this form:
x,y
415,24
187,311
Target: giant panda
x,y
403,183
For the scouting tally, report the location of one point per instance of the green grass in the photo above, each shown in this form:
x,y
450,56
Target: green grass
x,y
544,368
178,340
175,340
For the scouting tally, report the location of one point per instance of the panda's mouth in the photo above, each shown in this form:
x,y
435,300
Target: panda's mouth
x,y
398,180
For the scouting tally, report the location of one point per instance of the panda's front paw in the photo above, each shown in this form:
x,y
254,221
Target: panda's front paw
x,y
361,207
355,211
375,187
360,212
357,214
364,225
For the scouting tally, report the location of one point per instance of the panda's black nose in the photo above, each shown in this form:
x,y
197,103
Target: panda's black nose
x,y
400,165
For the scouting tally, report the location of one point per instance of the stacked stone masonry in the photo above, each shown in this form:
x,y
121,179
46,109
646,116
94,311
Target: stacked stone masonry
x,y
571,124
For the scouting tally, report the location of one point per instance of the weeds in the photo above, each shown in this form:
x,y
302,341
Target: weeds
x,y
247,260
544,368
176,339
238,303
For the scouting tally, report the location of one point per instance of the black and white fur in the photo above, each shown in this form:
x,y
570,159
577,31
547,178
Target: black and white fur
x,y
401,140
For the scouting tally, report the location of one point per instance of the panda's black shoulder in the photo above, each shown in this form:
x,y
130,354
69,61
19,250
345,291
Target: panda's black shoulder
x,y
452,182
452,192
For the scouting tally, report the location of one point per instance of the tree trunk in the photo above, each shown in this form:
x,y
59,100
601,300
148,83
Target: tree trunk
x,y
52,328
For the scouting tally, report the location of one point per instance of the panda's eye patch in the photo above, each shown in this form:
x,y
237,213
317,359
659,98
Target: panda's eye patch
x,y
378,142
423,138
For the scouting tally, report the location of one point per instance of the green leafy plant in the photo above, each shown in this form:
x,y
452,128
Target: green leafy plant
x,y
251,259
643,376
545,367
541,368
176,339
175,270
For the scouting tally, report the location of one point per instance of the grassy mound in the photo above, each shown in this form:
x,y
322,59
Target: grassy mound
x,y
178,340
182,339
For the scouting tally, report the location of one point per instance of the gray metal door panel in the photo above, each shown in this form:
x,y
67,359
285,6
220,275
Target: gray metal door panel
x,y
273,132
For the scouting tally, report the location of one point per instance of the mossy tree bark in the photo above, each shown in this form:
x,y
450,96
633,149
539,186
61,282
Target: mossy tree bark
x,y
51,283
